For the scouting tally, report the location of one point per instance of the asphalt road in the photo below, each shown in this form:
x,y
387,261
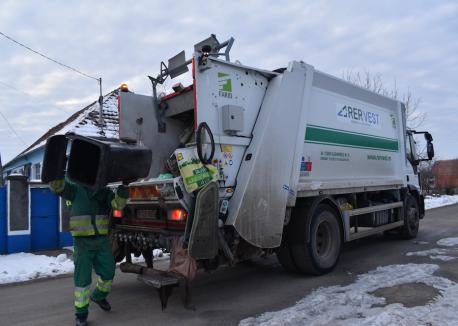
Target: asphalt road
x,y
226,296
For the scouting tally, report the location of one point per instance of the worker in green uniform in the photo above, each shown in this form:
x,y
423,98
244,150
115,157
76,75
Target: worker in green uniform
x,y
89,223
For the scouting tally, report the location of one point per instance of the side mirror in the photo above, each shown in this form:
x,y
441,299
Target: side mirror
x,y
430,149
428,137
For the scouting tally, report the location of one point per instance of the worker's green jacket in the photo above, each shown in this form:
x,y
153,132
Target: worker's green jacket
x,y
89,210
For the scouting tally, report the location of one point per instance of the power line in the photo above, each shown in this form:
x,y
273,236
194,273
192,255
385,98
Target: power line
x,y
14,88
12,129
31,96
48,58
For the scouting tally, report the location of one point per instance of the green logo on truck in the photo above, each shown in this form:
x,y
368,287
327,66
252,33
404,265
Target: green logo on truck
x,y
224,85
360,116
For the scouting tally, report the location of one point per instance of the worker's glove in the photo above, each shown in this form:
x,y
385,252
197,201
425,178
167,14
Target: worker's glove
x,y
120,199
57,186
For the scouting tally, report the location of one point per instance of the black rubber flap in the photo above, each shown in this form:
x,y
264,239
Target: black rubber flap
x,y
55,160
94,163
203,241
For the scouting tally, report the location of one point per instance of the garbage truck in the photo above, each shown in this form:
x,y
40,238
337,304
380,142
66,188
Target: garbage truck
x,y
245,162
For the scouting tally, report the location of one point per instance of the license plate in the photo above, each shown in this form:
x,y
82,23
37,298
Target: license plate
x,y
146,213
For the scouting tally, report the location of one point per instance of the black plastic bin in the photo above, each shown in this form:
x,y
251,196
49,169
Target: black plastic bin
x,y
55,160
95,163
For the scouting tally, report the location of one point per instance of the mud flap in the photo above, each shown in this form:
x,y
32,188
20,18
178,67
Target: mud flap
x,y
203,240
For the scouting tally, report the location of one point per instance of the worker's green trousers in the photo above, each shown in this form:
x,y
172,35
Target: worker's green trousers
x,y
92,252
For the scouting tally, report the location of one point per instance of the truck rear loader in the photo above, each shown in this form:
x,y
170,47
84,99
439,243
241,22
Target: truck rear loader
x,y
246,162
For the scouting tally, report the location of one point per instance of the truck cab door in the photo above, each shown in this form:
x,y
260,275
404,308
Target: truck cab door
x,y
411,161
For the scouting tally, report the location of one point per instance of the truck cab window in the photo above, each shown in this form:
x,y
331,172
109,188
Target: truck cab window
x,y
410,149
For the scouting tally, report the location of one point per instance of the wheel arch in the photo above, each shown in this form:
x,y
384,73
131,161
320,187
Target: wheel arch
x,y
416,193
313,203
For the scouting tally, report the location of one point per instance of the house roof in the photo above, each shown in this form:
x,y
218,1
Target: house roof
x,y
85,122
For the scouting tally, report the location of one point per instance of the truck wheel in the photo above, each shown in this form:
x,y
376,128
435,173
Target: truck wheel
x,y
321,254
411,218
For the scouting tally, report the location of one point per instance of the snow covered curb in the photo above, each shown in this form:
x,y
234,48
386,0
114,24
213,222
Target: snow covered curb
x,y
24,267
445,200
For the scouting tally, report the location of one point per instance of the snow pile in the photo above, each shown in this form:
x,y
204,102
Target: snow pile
x,y
355,305
24,266
448,242
158,253
433,202
435,253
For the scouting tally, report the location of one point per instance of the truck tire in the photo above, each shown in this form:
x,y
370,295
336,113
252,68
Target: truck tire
x,y
321,254
411,218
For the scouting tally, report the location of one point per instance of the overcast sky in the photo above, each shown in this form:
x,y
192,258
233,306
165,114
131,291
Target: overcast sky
x,y
414,43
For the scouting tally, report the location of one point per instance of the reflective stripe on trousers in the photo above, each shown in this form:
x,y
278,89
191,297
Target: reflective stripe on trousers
x,y
82,296
104,286
81,225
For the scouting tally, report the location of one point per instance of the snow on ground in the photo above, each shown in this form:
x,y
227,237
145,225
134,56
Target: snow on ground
x,y
433,202
448,242
24,267
354,304
435,253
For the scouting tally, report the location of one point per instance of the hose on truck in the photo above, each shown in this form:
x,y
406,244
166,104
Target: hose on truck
x,y
203,126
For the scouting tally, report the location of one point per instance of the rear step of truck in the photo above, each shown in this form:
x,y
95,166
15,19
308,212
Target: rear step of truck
x,y
162,281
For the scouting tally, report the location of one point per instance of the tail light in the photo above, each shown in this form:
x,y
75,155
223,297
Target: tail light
x,y
177,215
117,213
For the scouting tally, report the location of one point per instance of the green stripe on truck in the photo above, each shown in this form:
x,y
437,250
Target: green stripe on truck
x,y
325,136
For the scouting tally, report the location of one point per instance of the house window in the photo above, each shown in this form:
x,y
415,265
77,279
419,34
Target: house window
x,y
28,170
19,170
37,171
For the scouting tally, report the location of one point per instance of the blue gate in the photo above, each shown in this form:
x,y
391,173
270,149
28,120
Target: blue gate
x,y
3,234
45,219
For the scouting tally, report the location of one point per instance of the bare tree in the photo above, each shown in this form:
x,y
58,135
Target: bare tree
x,y
427,179
374,83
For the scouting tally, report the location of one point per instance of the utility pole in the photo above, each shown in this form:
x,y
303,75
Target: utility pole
x,y
100,105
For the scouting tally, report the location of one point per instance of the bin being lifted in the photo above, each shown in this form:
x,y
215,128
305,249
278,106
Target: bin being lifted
x,y
251,161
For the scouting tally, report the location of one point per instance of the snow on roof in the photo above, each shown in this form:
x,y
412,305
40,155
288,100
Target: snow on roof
x,y
86,122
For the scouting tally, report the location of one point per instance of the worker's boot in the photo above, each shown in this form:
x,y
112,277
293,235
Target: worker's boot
x,y
103,304
81,320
